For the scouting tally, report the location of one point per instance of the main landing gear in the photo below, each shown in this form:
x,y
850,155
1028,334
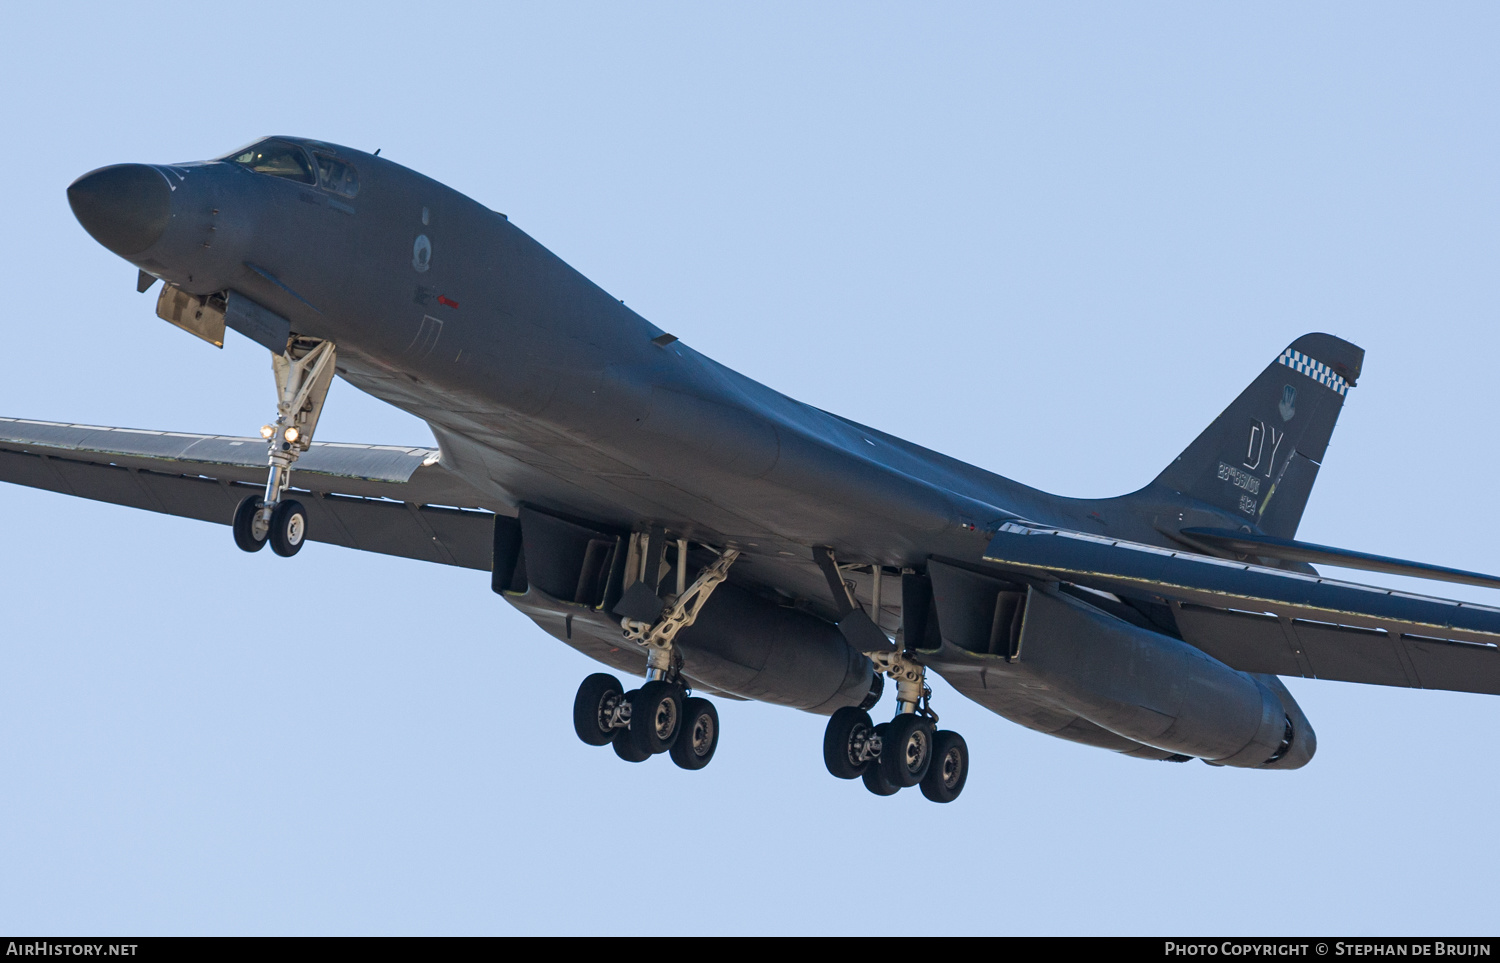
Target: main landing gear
x,y
660,716
686,728
910,750
303,375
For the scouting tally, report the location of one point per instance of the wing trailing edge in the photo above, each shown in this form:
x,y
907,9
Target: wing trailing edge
x,y
1268,620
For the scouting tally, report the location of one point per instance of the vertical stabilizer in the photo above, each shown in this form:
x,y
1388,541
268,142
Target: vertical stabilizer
x,y
1259,458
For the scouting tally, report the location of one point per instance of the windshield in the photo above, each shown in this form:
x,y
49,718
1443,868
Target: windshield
x,y
336,176
279,159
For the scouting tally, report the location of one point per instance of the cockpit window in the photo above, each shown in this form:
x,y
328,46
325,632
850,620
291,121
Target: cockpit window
x,y
336,176
279,159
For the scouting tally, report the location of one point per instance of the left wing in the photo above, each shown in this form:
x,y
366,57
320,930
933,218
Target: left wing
x,y
1269,620
377,498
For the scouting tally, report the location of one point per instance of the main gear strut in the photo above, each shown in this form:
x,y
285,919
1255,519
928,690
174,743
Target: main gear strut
x,y
659,716
303,373
909,750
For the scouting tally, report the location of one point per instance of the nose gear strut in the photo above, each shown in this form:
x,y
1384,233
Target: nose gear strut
x,y
303,373
659,716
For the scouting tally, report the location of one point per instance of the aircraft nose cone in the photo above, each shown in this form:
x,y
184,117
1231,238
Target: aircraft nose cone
x,y
125,207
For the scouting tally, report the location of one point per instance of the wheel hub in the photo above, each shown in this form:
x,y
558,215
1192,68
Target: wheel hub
x,y
859,745
607,707
916,750
666,718
952,768
703,734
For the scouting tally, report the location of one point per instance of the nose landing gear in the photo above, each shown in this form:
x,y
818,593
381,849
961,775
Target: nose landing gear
x,y
303,375
659,716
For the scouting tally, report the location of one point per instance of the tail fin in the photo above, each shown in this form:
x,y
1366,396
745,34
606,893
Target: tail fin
x,y
1259,458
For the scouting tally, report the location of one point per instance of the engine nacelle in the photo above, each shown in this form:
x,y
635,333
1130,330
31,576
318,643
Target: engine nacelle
x,y
571,572
750,646
1157,690
1302,741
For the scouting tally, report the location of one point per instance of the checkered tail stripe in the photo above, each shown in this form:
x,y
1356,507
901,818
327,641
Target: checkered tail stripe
x,y
1314,369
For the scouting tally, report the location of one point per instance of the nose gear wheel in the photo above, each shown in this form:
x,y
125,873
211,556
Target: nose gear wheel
x,y
304,373
249,530
288,528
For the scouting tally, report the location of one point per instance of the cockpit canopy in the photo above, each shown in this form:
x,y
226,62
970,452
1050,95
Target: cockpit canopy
x,y
283,158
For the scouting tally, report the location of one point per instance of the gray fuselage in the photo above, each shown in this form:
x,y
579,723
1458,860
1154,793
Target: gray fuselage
x,y
543,389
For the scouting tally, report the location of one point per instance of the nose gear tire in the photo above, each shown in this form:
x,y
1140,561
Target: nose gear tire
x,y
244,524
288,527
593,706
949,769
697,735
849,730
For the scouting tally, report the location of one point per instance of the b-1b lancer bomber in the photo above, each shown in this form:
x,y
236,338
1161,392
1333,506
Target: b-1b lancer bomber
x,y
675,520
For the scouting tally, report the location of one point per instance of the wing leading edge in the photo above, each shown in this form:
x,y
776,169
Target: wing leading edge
x,y
1269,546
377,498
1268,620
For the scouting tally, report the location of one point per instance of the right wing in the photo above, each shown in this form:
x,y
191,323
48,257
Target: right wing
x,y
1249,546
1268,620
376,498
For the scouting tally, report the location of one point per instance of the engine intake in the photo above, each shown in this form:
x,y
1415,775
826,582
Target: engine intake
x,y
741,643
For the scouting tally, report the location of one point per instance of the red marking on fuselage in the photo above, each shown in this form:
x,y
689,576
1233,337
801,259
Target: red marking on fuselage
x,y
444,299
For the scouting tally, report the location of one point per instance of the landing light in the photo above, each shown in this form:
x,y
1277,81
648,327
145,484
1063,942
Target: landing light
x,y
266,431
291,434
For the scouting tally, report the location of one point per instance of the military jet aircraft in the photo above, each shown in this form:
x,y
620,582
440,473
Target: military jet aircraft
x,y
676,520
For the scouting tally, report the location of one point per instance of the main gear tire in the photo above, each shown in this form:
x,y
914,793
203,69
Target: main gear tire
x,y
845,741
874,775
697,736
906,751
625,747
594,707
655,716
949,769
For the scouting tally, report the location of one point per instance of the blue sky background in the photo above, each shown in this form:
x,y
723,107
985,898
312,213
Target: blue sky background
x,y
1053,240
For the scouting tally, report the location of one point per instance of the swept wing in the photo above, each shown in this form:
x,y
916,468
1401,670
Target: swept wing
x,y
1269,620
378,498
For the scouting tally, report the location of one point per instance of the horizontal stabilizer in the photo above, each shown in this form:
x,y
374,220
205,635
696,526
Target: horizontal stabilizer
x,y
1288,550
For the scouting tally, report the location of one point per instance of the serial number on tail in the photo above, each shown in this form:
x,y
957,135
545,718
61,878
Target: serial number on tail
x,y
1239,479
